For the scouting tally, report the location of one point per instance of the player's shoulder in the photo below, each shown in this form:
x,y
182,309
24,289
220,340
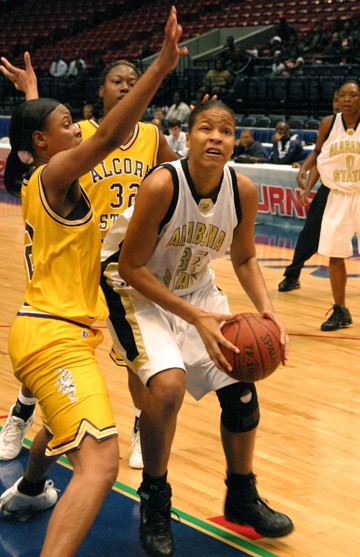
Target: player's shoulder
x,y
248,191
148,130
147,126
244,182
88,127
327,121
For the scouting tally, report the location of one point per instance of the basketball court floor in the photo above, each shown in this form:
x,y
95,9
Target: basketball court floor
x,y
323,528
115,531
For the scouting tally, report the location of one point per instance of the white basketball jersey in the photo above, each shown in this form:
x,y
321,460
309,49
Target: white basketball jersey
x,y
339,160
197,231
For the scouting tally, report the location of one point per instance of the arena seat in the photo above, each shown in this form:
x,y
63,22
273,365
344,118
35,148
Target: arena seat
x,y
312,124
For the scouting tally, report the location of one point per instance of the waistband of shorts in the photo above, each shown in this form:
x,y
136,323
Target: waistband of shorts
x,y
27,311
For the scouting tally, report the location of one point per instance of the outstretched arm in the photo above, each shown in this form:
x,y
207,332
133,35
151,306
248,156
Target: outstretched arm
x,y
65,167
23,80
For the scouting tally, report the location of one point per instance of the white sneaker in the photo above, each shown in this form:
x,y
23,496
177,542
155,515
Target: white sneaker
x,y
136,460
13,503
10,471
12,435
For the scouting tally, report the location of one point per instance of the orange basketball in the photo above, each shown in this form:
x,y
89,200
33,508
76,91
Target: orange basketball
x,y
258,340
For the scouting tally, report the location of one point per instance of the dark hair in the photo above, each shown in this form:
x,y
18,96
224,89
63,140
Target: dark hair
x,y
115,64
173,123
247,130
201,107
27,118
354,81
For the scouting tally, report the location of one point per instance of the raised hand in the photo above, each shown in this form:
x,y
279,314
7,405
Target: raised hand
x,y
23,80
170,50
206,97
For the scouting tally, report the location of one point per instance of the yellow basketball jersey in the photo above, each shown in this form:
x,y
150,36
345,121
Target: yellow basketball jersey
x,y
62,258
112,185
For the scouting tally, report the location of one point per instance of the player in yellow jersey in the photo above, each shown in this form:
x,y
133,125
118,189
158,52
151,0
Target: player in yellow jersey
x,y
52,339
111,186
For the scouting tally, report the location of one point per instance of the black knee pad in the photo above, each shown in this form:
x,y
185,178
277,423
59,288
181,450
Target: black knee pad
x,y
240,407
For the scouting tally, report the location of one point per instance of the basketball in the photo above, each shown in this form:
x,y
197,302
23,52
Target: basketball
x,y
258,340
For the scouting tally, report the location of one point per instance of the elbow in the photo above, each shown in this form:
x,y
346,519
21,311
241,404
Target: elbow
x,y
122,269
126,272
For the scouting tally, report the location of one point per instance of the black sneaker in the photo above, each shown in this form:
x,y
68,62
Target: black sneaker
x,y
244,506
339,319
288,284
155,514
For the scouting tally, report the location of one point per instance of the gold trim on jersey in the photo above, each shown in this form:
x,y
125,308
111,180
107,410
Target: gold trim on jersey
x,y
58,218
116,357
27,310
133,137
85,428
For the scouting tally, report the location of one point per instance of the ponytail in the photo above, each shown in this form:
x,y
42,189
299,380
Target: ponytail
x,y
27,118
15,171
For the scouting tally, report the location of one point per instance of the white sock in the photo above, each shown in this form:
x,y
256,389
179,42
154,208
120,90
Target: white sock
x,y
26,401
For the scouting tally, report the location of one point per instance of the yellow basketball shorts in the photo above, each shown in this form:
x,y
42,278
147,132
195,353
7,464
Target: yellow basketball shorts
x,y
56,360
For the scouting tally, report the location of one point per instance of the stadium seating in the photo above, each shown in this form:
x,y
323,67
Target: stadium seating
x,y
118,28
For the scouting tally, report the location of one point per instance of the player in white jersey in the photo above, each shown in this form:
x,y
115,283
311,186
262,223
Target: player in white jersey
x,y
56,360
337,155
186,214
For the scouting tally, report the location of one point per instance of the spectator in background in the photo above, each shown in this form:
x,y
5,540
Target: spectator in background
x,y
247,149
159,114
287,149
179,110
88,111
286,32
275,45
77,66
177,138
333,51
295,63
58,67
278,66
228,53
316,39
158,123
241,62
217,80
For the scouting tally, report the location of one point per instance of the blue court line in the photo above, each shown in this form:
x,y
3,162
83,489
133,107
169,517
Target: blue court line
x,y
116,526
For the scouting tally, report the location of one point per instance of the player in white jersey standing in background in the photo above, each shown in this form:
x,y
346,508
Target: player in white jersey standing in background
x,y
337,155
